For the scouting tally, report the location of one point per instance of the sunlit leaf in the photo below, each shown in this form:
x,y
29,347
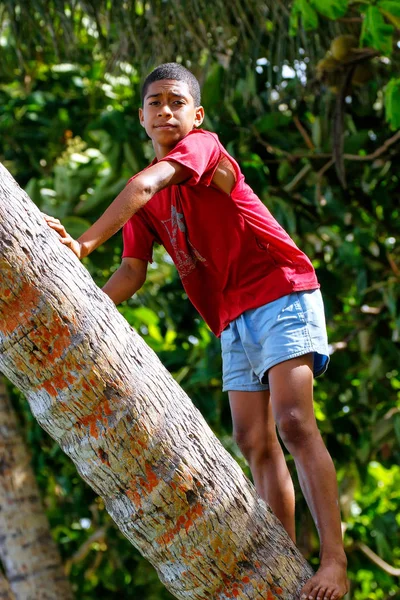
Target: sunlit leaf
x,y
392,103
376,32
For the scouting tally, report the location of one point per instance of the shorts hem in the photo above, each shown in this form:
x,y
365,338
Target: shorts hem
x,y
303,352
324,368
253,387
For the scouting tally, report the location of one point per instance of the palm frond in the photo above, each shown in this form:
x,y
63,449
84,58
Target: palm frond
x,y
147,33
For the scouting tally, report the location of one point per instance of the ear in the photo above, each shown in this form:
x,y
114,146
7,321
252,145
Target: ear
x,y
141,117
199,116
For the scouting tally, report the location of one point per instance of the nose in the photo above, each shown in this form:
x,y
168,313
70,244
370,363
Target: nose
x,y
164,110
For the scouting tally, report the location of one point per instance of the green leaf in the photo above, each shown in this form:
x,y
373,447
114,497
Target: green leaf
x,y
333,9
308,11
391,10
33,190
212,90
392,103
75,225
383,547
271,121
104,192
309,18
146,316
396,423
375,32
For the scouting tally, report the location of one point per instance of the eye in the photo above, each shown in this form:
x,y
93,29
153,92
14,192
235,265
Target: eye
x,y
179,102
154,102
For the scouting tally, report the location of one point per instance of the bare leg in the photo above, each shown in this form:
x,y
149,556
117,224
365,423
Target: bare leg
x,y
255,433
291,385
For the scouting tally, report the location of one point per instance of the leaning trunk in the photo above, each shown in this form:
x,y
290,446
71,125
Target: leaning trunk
x,y
132,432
27,551
5,589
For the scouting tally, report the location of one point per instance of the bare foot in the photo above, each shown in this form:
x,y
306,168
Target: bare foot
x,y
328,583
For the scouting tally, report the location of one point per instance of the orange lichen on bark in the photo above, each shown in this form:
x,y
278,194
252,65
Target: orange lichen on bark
x,y
151,480
20,303
51,336
185,521
234,584
145,484
100,414
135,497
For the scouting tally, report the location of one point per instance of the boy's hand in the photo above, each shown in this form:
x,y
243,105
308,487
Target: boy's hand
x,y
65,238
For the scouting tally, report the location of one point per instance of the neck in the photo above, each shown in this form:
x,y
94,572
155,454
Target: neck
x,y
161,151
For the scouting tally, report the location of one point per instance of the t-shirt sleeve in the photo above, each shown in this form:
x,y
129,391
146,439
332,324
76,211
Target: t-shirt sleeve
x,y
199,153
138,239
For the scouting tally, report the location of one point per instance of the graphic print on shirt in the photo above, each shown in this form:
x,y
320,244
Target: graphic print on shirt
x,y
186,255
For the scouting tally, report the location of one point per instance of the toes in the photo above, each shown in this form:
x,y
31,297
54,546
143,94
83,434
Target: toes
x,y
331,594
313,594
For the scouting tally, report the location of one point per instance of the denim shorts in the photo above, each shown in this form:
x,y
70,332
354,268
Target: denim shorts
x,y
262,337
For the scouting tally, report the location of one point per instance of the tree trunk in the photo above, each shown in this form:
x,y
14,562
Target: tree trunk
x,y
5,590
135,437
28,553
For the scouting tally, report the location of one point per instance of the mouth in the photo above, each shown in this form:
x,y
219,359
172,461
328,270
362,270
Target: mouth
x,y
165,126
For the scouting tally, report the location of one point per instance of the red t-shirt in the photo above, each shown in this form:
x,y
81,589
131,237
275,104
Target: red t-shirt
x,y
231,254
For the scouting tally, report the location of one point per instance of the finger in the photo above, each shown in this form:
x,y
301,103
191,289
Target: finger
x,y
60,229
67,241
55,225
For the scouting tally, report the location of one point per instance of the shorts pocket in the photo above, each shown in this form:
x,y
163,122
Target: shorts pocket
x,y
312,308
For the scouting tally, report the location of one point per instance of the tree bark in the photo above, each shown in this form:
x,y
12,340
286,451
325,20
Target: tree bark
x,y
133,434
28,553
5,590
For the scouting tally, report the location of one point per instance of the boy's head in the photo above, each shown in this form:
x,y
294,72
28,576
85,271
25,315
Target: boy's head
x,y
170,106
176,72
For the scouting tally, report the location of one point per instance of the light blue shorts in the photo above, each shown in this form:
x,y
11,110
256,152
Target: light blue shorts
x,y
262,337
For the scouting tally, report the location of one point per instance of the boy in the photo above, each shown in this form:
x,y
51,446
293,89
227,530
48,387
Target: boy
x,y
253,287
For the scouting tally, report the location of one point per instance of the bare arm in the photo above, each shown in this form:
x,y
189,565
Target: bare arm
x,y
130,200
128,278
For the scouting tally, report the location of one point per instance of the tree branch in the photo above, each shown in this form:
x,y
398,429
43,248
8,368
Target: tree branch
x,y
83,551
302,174
377,560
304,134
300,155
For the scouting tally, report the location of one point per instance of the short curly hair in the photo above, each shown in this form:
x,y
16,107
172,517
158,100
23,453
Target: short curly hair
x,y
177,72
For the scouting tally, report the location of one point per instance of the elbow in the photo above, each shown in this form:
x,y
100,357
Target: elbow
x,y
135,276
140,282
144,189
147,191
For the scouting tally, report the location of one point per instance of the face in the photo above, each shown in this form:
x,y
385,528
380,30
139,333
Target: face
x,y
169,113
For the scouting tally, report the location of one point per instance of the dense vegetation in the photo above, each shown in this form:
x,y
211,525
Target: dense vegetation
x,y
315,128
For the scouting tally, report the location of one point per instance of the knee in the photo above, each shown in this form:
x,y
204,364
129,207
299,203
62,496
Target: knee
x,y
255,445
295,429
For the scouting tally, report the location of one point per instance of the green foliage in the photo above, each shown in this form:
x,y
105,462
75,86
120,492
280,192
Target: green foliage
x,y
392,103
309,18
307,11
376,33
379,20
70,135
391,10
333,9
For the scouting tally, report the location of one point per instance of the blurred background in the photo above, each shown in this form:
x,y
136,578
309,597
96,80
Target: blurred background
x,y
306,96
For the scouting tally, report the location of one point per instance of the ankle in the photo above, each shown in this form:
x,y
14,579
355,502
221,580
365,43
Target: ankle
x,y
338,557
